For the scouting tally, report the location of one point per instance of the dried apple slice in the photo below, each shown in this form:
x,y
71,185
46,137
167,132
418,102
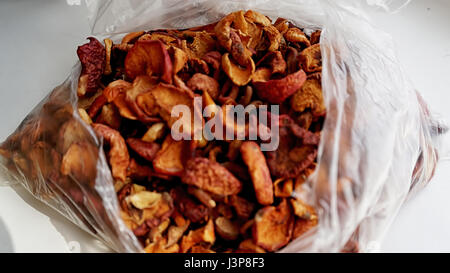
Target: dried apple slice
x,y
278,90
295,35
79,162
210,176
118,153
238,75
146,150
273,226
259,171
310,96
204,83
92,58
149,58
227,229
172,156
311,59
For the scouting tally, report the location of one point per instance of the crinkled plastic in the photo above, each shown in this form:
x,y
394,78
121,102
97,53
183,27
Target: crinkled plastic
x,y
379,140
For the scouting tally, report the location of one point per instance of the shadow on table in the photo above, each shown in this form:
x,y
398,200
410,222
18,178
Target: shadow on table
x,y
6,245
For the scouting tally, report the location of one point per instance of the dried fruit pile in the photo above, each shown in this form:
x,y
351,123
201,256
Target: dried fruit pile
x,y
199,195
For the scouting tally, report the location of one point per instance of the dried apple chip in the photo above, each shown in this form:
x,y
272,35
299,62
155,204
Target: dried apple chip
x,y
171,157
204,234
242,206
311,59
196,213
108,49
257,167
295,35
204,83
210,176
274,60
146,150
227,229
310,96
273,226
248,246
149,58
278,90
118,153
92,58
80,162
301,226
240,76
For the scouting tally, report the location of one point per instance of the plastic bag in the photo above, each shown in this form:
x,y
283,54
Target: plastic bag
x,y
379,140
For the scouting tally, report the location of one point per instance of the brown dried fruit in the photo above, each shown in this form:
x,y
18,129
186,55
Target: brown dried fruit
x,y
204,234
226,228
273,226
274,60
287,161
202,196
109,116
108,48
315,37
283,187
278,90
242,206
145,149
204,83
259,171
171,157
310,96
118,153
132,36
210,176
196,213
240,76
149,58
295,35
92,58
155,132
311,59
80,162
248,246
97,105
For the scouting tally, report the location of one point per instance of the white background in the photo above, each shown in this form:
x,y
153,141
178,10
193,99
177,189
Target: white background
x,y
37,51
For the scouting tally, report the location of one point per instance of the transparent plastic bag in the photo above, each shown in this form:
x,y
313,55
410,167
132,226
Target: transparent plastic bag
x,y
379,140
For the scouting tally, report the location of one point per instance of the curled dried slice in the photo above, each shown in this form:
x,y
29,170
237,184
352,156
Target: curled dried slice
x,y
145,149
92,58
289,160
115,88
259,171
108,48
303,210
311,59
274,60
295,35
109,116
310,96
227,229
283,187
171,157
204,234
179,58
118,153
242,206
175,233
274,37
196,213
149,58
80,162
278,90
210,176
144,199
315,37
273,226
97,105
204,83
240,76
202,196
155,132
248,246
132,37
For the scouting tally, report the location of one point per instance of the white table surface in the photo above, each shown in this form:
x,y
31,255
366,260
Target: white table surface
x,y
37,51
